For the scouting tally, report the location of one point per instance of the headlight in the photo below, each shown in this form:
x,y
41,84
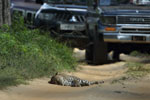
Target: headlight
x,y
48,16
106,20
41,16
45,16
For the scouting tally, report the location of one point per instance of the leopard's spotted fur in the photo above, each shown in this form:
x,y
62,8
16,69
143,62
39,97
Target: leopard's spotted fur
x,y
67,80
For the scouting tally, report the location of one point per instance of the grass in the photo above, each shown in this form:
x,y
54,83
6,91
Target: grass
x,y
26,54
139,54
139,69
136,69
120,80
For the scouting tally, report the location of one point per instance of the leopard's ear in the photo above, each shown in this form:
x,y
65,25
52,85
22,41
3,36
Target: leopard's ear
x,y
56,73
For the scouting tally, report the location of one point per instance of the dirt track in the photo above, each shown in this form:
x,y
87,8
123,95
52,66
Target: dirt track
x,y
39,89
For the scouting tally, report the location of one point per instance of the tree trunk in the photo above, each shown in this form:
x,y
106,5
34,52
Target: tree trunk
x,y
5,17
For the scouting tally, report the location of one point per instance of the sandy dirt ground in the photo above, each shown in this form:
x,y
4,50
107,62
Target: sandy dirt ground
x,y
39,89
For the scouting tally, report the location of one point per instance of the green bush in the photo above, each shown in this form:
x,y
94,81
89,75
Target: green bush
x,y
139,54
27,54
136,69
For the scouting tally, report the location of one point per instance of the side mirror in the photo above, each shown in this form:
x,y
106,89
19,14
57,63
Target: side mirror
x,y
95,4
92,4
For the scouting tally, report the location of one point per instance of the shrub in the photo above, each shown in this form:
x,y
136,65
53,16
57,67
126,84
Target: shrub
x,y
136,69
27,54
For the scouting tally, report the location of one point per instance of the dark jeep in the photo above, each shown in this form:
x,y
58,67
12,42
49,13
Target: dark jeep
x,y
125,26
65,19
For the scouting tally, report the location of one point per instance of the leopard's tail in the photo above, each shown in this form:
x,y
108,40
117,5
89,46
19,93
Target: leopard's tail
x,y
87,83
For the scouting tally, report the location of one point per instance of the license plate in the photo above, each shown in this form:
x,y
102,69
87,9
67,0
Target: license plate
x,y
77,27
139,38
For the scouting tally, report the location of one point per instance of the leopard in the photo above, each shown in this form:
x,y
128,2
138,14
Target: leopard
x,y
73,81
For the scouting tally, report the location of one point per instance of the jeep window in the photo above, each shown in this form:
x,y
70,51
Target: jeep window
x,y
18,12
124,2
29,17
114,2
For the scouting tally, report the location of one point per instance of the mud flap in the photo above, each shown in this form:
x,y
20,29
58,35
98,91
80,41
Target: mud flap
x,y
96,51
99,51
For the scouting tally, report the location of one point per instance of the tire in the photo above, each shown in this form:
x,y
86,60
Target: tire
x,y
116,56
96,51
89,53
96,54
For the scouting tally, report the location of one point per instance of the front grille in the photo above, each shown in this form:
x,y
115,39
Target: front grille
x,y
133,20
69,17
135,30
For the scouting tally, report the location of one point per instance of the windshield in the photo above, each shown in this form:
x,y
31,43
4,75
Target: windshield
x,y
76,2
114,2
124,2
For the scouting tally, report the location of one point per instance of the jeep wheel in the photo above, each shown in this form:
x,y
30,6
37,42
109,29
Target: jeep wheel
x,y
96,53
89,53
116,56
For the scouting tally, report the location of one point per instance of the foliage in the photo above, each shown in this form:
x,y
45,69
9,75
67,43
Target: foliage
x,y
26,54
136,69
139,54
120,80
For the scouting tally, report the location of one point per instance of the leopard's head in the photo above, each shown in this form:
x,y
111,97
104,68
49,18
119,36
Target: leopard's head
x,y
53,79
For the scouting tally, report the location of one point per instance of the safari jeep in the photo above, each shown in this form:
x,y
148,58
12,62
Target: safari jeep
x,y
125,25
65,19
75,21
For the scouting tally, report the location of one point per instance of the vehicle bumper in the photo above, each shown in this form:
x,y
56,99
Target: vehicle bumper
x,y
72,30
126,38
72,26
